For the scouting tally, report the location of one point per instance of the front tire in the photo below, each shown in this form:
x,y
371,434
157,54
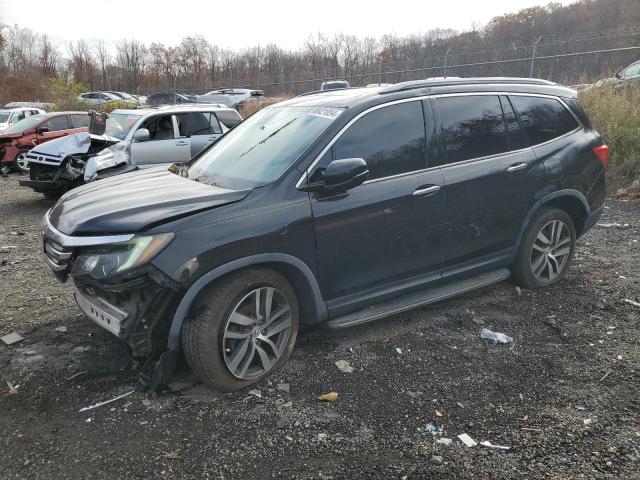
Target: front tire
x,y
242,330
546,249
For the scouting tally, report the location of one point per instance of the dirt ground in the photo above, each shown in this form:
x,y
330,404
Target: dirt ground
x,y
565,395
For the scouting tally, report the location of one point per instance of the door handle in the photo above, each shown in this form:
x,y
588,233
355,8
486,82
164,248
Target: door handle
x,y
182,144
517,167
427,190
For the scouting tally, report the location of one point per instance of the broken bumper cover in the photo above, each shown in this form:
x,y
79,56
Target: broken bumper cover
x,y
102,312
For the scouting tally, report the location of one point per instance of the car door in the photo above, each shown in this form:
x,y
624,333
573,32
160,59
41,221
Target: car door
x,y
383,236
201,128
491,178
54,127
163,145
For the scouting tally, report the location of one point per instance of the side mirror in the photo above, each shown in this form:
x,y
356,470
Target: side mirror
x,y
341,175
141,135
42,129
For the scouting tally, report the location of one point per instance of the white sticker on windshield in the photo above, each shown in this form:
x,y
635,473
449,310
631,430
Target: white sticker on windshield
x,y
326,112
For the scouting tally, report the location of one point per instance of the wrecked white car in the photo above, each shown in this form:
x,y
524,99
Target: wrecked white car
x,y
128,140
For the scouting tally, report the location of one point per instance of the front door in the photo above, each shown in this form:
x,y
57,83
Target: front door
x,y
164,146
383,236
491,179
56,127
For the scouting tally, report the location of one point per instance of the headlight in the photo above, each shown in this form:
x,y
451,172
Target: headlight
x,y
120,257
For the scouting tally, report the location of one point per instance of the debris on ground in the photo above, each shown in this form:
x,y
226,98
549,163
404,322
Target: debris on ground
x,y
146,402
444,441
467,440
12,338
613,225
398,351
497,337
100,404
13,389
283,387
283,421
477,321
344,366
631,302
439,413
437,459
61,329
431,428
76,375
488,444
328,397
255,393
349,349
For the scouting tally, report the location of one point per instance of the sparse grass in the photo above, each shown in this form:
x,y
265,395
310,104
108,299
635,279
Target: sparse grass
x,y
615,113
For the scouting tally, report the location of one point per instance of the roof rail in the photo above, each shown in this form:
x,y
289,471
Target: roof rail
x,y
440,81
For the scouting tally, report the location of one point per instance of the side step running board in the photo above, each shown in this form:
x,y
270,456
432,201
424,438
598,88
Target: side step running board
x,y
418,299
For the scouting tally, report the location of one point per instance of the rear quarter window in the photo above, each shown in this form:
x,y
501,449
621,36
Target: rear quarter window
x,y
543,119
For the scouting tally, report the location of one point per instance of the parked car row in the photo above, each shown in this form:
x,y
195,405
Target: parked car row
x,y
101,98
336,207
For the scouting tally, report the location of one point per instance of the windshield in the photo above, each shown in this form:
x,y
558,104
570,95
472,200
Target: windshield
x,y
262,147
4,117
25,124
119,124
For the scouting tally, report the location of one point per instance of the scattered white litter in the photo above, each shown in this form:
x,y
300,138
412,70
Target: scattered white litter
x,y
13,337
61,329
255,393
99,404
631,302
344,366
467,440
497,337
398,351
444,441
488,444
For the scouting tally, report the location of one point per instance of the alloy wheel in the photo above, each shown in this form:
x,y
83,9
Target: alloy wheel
x,y
22,162
256,333
550,252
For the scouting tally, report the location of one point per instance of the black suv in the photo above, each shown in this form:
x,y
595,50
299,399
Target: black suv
x,y
339,207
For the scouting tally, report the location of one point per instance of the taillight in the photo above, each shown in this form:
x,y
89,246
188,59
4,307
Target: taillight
x,y
603,154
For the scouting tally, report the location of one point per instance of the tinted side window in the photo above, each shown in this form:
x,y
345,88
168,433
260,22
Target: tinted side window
x,y
80,121
230,118
194,123
57,123
471,127
515,135
391,140
543,119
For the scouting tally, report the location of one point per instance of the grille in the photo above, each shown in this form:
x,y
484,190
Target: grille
x,y
57,256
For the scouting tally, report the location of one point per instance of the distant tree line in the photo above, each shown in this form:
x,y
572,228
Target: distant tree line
x,y
30,61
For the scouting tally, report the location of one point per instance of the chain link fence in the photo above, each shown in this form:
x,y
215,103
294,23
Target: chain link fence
x,y
574,60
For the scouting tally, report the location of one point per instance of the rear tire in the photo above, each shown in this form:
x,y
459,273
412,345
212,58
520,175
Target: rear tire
x,y
546,249
242,330
53,196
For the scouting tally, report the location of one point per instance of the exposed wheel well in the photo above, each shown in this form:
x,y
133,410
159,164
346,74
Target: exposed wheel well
x,y
573,207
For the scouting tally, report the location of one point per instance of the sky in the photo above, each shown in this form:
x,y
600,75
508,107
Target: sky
x,y
236,25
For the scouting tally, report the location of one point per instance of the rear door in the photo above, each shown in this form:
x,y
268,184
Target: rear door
x,y
79,122
383,235
201,128
164,145
491,179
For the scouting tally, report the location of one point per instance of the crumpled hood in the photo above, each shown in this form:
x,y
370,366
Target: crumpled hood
x,y
72,144
135,201
10,136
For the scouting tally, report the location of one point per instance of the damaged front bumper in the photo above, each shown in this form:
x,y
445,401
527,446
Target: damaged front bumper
x,y
136,306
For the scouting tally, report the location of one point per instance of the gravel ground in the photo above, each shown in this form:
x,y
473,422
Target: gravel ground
x,y
564,395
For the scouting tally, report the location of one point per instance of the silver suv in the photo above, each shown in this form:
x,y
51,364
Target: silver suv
x,y
133,139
